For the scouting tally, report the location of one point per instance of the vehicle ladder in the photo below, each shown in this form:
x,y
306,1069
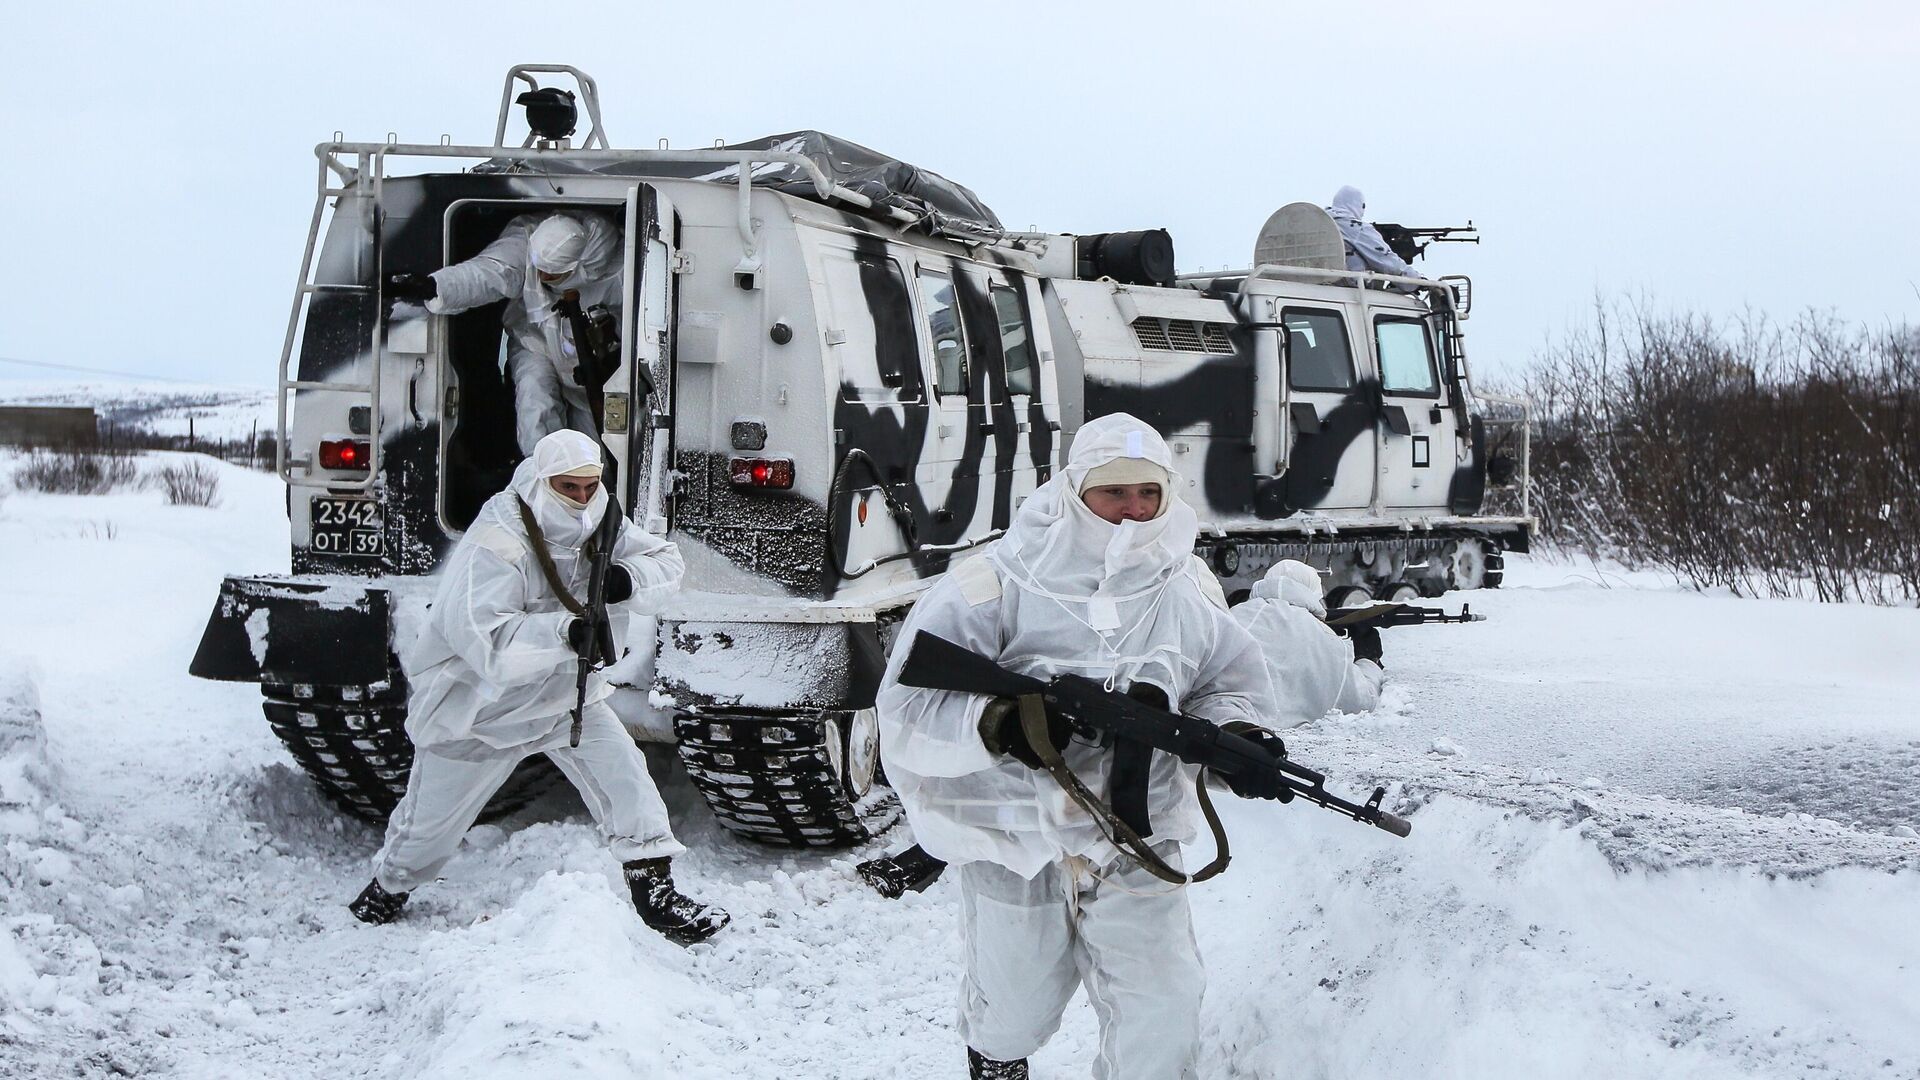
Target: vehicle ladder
x,y
363,183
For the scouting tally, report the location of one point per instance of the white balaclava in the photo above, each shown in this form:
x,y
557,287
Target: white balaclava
x,y
564,522
1108,578
1296,583
1348,203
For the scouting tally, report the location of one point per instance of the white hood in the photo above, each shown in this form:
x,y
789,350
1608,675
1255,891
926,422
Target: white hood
x,y
1348,203
558,454
584,249
1107,580
1294,582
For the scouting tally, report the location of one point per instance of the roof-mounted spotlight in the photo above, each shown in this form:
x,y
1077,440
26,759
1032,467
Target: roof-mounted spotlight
x,y
550,112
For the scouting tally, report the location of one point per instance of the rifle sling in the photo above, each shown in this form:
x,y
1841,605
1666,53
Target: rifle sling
x,y
545,558
1033,721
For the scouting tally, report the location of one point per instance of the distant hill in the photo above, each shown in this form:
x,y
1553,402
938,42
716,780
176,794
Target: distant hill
x,y
215,412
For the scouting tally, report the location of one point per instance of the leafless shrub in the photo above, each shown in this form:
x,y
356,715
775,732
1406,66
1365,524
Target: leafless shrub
x,y
1763,459
75,472
194,483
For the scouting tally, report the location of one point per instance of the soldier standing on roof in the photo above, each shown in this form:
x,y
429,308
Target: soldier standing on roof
x,y
537,259
1366,250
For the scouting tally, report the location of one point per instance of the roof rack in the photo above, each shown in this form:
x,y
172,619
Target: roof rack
x,y
1458,287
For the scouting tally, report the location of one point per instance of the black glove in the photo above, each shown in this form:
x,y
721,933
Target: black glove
x,y
1148,694
1259,785
619,584
1001,731
577,636
1366,642
418,288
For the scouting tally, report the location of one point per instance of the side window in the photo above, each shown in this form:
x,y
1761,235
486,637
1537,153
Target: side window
x,y
1406,358
1015,343
943,321
896,345
1318,357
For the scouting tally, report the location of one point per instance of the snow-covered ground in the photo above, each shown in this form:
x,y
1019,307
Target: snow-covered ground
x,y
1657,834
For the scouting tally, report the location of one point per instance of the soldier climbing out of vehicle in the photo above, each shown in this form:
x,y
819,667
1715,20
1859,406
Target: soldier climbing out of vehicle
x,y
493,679
1095,577
556,271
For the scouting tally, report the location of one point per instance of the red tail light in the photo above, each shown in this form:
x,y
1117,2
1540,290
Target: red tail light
x,y
353,454
774,473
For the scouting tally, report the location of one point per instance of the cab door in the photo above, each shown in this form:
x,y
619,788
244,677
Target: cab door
x,y
638,426
1417,424
1330,411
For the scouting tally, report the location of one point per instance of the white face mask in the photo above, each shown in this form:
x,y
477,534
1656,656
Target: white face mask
x,y
567,501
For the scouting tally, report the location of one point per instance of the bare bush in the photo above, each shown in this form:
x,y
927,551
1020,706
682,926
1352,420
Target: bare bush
x,y
1758,458
194,483
75,472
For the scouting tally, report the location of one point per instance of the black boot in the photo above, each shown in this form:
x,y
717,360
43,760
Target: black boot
x,y
376,905
892,875
983,1068
679,918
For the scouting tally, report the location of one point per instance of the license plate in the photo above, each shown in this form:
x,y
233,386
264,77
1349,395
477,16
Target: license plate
x,y
347,527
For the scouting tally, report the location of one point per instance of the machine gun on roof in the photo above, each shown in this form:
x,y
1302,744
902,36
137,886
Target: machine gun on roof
x,y
1410,243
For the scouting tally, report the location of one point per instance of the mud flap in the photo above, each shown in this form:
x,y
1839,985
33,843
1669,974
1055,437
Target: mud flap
x,y
1469,488
294,631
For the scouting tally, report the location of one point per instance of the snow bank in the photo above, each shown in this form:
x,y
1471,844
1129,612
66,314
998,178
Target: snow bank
x,y
48,969
566,981
1490,945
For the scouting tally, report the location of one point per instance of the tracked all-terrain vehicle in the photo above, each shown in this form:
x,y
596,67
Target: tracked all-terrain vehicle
x,y
856,376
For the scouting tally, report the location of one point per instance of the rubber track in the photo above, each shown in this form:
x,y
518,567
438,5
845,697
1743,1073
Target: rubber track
x,y
353,743
770,779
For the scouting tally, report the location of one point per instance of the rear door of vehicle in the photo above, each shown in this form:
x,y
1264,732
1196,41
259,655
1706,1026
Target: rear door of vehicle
x,y
639,428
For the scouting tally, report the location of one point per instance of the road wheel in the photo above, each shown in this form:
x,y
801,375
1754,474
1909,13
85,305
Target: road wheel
x,y
1398,592
1348,596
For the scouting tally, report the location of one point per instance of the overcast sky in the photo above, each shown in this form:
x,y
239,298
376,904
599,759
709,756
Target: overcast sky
x,y
157,172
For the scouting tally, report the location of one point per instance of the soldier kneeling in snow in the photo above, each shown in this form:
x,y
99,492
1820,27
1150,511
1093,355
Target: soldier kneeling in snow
x,y
1314,668
493,677
1095,577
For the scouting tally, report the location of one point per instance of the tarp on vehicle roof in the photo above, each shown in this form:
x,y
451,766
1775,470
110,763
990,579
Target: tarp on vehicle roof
x,y
943,206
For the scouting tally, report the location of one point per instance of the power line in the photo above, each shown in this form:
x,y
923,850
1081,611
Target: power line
x,y
125,374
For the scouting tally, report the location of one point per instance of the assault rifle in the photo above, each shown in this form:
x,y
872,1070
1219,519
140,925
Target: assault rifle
x,y
1407,242
1103,716
598,349
596,344
1381,616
